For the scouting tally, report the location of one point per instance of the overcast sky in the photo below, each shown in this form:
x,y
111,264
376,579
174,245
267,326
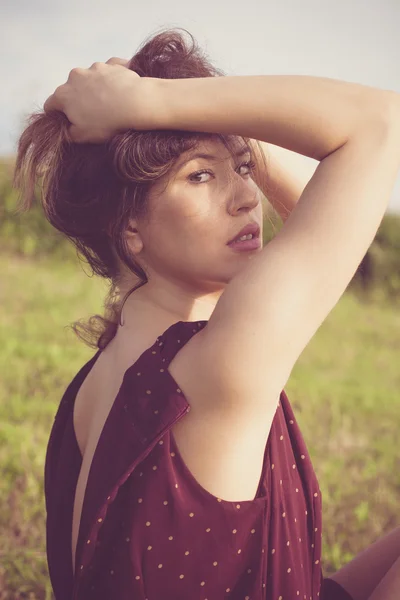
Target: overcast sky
x,y
42,40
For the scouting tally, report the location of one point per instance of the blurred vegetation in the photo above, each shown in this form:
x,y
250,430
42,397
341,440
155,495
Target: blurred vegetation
x,y
344,390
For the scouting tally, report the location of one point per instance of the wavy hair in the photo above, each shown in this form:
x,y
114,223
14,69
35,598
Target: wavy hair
x,y
89,192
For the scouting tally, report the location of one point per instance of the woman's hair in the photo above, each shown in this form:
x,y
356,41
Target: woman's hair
x,y
91,191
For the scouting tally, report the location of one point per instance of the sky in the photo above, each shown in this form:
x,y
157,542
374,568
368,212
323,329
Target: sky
x,y
42,40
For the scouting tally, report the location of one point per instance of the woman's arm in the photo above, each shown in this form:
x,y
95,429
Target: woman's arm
x,y
280,186
312,116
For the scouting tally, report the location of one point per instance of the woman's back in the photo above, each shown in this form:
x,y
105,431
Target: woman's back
x,y
229,471
143,507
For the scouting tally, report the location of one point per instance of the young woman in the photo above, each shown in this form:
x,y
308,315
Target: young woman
x,y
175,467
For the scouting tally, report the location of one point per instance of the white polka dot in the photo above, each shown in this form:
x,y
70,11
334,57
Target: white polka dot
x,y
288,543
237,505
297,489
172,453
272,466
228,590
315,495
273,551
283,514
234,530
239,551
302,457
161,442
191,514
140,500
149,547
253,531
203,583
154,467
148,391
148,523
181,576
215,563
127,539
137,577
289,570
170,537
281,438
291,422
187,552
160,566
316,529
316,562
165,502
176,485
208,529
249,570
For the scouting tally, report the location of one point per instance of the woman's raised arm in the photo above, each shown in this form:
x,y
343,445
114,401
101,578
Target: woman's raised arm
x,y
313,116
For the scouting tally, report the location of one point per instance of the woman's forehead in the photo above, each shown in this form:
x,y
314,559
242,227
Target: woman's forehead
x,y
216,145
214,150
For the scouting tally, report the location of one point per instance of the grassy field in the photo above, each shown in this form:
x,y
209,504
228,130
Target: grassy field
x,y
345,391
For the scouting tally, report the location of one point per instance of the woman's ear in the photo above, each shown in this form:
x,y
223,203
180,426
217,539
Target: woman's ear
x,y
134,238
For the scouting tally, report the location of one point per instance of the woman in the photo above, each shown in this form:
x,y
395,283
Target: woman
x,y
175,467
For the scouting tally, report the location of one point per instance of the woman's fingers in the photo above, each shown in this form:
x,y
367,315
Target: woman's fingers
x,y
55,101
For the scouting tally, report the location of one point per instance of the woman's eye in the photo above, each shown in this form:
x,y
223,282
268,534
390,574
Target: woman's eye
x,y
198,174
249,165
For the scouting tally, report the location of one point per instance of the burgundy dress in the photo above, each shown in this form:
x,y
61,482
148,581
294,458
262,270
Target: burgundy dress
x,y
150,531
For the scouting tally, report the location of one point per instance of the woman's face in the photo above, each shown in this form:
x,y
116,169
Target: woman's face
x,y
184,242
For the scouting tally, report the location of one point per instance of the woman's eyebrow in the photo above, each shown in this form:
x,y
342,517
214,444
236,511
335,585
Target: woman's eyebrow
x,y
241,152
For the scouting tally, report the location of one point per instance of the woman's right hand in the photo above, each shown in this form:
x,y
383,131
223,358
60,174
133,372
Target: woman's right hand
x,y
103,100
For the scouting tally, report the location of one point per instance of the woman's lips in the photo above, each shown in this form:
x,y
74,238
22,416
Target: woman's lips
x,y
246,245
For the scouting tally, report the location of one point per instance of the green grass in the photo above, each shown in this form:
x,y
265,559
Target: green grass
x,y
345,390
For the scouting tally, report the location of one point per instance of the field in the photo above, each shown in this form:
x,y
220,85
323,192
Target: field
x,y
345,390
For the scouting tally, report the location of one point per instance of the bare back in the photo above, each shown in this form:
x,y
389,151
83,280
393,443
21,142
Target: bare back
x,y
241,463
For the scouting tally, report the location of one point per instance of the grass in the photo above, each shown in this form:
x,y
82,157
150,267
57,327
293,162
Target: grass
x,y
344,391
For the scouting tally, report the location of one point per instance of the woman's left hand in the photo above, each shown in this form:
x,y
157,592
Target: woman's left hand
x,y
102,100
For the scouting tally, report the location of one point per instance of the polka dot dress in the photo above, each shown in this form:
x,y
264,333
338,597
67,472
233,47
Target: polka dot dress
x,y
149,530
